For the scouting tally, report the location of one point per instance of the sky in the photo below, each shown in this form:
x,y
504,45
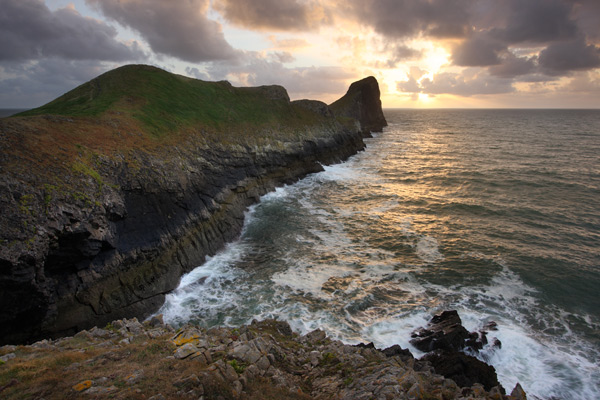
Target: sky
x,y
424,53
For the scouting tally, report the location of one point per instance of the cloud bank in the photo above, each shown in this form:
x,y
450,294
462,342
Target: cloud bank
x,y
492,47
30,31
179,29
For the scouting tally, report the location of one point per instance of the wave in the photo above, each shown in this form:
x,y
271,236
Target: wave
x,y
369,249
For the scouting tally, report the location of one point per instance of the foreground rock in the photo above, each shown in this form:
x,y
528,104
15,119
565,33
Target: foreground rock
x,y
128,359
100,216
463,369
445,332
444,338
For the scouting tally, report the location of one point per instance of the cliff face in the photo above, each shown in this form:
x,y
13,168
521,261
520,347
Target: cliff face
x,y
362,102
100,218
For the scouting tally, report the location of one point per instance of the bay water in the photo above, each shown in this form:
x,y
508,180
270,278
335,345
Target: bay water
x,y
494,213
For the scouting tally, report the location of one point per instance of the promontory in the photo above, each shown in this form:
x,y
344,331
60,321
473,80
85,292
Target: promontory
x,y
111,192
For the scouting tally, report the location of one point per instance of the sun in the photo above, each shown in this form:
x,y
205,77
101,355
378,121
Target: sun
x,y
435,58
425,98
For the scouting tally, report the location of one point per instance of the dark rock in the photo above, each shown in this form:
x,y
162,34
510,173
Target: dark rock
x,y
396,350
283,328
490,326
365,345
362,102
156,320
476,340
443,332
315,106
497,343
518,393
463,369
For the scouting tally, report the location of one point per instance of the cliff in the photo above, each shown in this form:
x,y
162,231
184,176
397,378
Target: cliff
x,y
111,192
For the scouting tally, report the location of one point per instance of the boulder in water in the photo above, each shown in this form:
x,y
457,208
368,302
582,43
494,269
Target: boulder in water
x,y
445,332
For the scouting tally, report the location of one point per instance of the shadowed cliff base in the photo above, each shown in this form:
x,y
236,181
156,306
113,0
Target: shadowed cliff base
x,y
114,190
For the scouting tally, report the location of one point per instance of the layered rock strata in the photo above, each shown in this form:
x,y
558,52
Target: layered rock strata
x,y
114,243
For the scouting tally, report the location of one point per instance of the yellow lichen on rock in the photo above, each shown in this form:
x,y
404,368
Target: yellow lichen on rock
x,y
81,386
186,336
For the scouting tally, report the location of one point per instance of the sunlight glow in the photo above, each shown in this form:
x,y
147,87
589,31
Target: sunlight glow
x,y
435,59
424,98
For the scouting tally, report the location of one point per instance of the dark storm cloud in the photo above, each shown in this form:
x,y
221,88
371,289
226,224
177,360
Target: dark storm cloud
x,y
538,21
175,28
395,54
557,36
282,15
512,66
29,30
569,56
407,18
587,15
478,51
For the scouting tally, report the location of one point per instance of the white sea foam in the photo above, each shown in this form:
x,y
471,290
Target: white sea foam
x,y
360,289
427,249
304,279
202,290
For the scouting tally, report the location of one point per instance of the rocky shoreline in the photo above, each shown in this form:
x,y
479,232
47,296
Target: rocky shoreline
x,y
263,360
87,242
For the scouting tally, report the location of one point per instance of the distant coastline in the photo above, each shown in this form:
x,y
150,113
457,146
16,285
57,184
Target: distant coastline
x,y
7,112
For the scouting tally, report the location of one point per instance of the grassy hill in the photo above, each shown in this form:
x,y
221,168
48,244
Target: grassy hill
x,y
143,108
163,103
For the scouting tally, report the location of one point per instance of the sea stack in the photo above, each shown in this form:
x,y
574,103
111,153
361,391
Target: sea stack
x,y
362,102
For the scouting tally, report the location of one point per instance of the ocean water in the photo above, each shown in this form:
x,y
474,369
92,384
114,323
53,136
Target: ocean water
x,y
495,213
7,112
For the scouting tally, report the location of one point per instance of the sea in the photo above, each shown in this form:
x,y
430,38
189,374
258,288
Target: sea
x,y
494,213
7,112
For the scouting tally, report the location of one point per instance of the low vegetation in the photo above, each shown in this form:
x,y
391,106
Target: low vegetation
x,y
164,103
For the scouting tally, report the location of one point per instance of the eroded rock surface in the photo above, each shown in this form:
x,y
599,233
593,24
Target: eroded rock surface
x,y
262,360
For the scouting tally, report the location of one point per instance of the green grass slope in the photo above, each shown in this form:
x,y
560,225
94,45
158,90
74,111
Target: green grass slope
x,y
163,102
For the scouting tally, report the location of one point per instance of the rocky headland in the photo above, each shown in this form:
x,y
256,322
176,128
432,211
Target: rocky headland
x,y
264,360
111,192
